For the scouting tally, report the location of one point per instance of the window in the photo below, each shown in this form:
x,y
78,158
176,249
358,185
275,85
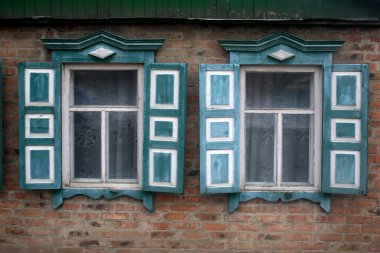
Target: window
x,y
281,122
102,120
102,125
281,128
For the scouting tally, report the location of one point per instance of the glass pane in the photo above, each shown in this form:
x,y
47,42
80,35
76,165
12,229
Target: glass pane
x,y
278,90
87,145
122,145
104,87
295,148
260,139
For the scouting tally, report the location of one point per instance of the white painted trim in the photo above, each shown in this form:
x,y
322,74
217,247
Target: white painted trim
x,y
231,100
333,183
173,169
153,88
231,166
334,138
357,105
50,101
49,134
67,128
229,121
152,130
28,176
316,113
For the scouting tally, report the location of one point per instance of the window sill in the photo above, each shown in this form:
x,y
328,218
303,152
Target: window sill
x,y
234,199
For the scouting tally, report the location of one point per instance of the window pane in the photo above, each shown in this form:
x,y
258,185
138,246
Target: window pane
x,y
122,145
278,90
260,139
295,148
87,145
103,87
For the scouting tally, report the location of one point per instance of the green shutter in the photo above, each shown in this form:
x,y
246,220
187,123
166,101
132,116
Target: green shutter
x,y
164,127
345,123
219,128
40,125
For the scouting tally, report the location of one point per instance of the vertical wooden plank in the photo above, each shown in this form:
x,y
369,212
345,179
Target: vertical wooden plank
x,y
56,8
80,9
30,8
43,8
197,9
139,8
162,9
103,9
115,9
259,9
150,8
235,9
210,9
127,8
173,9
185,6
247,9
222,8
67,9
1,124
17,8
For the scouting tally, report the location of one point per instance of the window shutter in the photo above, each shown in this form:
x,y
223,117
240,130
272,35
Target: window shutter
x,y
40,125
345,122
219,128
164,127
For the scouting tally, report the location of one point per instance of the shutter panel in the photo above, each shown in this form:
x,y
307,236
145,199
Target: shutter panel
x,y
40,125
219,128
345,122
164,127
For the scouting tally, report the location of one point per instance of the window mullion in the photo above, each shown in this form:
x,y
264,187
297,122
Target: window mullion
x,y
279,150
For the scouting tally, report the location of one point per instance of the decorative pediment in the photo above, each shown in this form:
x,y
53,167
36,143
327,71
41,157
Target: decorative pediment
x,y
281,38
103,37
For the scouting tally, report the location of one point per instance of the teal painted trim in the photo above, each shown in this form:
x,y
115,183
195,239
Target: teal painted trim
x,y
105,37
180,114
165,113
148,201
163,144
39,110
119,55
317,197
233,201
281,38
326,202
39,142
60,195
206,113
347,114
220,145
219,113
56,110
345,146
1,125
299,58
202,127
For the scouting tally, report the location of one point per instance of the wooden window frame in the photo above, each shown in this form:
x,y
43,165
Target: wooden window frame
x,y
316,151
67,129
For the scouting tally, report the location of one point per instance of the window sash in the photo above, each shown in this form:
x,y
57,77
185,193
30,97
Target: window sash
x,y
315,146
68,130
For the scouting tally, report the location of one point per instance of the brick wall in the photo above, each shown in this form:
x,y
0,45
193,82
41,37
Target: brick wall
x,y
190,222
